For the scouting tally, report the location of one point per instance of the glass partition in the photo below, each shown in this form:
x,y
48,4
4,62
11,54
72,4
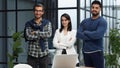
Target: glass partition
x,y
67,3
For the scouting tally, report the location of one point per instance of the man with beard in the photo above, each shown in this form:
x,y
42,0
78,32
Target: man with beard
x,y
37,31
91,31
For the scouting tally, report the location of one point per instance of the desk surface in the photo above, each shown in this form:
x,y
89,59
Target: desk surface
x,y
84,67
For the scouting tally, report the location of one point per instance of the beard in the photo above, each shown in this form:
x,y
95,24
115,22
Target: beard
x,y
95,14
37,17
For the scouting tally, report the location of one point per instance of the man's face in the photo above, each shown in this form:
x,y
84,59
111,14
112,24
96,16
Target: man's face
x,y
95,9
38,12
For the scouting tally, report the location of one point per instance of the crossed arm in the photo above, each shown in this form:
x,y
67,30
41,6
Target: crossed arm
x,y
31,34
60,45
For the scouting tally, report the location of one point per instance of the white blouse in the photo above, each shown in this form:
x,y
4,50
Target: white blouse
x,y
61,41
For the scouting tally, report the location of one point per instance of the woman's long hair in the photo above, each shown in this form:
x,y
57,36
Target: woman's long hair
x,y
69,24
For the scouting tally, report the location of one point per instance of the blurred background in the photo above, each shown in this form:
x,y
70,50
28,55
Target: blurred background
x,y
15,13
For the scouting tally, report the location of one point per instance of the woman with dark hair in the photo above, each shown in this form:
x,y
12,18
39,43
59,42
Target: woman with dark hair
x,y
65,37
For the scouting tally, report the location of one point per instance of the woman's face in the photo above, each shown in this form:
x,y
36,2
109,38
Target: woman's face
x,y
65,21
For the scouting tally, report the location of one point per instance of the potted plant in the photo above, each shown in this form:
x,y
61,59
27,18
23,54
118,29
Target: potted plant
x,y
16,48
111,58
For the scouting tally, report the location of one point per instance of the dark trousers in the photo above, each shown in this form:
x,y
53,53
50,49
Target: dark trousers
x,y
95,59
41,62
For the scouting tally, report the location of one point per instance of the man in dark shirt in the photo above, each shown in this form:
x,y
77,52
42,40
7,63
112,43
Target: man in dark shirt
x,y
91,31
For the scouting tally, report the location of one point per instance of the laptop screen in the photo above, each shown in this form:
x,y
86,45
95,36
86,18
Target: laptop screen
x,y
65,61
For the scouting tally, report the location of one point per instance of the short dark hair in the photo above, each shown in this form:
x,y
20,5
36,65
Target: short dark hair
x,y
38,5
97,2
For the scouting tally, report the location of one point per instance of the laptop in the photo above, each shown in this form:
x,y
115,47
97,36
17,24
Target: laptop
x,y
65,61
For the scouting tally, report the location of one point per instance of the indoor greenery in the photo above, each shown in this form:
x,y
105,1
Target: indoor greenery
x,y
16,48
111,58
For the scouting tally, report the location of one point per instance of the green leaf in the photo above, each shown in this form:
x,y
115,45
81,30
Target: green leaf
x,y
16,44
10,64
111,59
16,48
10,57
16,36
